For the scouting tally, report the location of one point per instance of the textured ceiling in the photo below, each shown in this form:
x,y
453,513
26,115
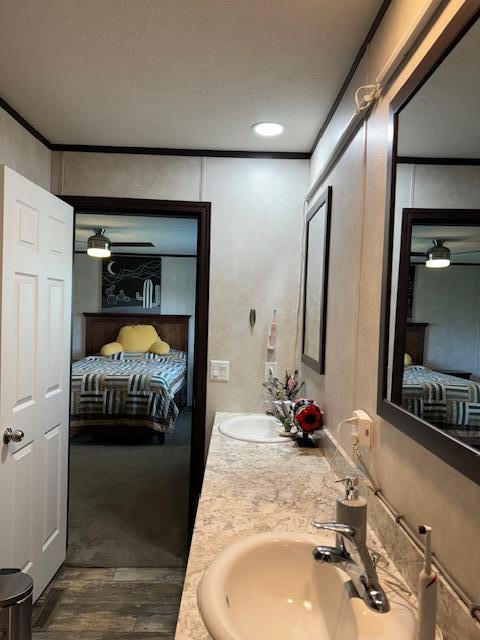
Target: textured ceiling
x,y
442,119
178,73
168,235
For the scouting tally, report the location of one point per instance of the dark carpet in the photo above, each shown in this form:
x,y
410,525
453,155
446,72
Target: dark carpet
x,y
129,500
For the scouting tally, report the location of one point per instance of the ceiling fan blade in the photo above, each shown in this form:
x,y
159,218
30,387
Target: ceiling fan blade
x,y
420,254
132,244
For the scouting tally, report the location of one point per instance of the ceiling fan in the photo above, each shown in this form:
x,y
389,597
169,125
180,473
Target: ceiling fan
x,y
439,255
98,245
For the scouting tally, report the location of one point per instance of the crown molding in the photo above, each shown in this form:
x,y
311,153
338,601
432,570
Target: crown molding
x,y
360,53
26,125
166,151
444,161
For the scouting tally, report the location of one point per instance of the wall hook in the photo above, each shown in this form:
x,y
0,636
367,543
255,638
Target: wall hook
x,y
253,317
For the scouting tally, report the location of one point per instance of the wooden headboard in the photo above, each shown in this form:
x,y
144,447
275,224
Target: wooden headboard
x,y
101,328
415,340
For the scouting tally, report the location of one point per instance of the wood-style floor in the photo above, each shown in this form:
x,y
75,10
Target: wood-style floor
x,y
109,604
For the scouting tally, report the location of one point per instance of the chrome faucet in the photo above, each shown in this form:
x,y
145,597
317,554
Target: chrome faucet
x,y
356,562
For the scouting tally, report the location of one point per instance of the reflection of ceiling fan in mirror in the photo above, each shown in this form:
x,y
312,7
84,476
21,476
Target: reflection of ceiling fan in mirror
x,y
99,245
438,255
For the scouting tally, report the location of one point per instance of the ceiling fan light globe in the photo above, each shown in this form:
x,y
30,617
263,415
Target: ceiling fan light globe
x,y
438,256
98,252
437,263
98,245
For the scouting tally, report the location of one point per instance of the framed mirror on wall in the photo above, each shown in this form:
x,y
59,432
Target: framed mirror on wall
x,y
429,374
317,246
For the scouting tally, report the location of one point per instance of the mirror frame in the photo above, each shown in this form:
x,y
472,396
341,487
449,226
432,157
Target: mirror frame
x,y
318,365
462,457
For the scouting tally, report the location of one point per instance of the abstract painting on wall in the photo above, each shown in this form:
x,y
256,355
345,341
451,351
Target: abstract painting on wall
x,y
131,281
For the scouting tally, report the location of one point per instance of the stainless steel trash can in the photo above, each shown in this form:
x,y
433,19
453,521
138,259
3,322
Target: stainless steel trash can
x,y
15,605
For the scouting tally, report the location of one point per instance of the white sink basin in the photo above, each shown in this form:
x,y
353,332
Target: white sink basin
x,y
269,587
253,428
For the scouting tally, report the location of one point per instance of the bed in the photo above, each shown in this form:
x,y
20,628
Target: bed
x,y
130,390
446,401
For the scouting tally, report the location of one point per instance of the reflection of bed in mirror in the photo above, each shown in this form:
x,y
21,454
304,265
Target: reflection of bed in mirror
x,y
129,391
448,400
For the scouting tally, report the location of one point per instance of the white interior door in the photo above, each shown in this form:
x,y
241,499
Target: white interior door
x,y
35,319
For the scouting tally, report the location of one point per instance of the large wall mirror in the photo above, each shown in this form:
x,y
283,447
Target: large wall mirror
x,y
429,383
316,282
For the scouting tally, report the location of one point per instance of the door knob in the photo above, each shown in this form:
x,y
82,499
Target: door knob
x,y
14,435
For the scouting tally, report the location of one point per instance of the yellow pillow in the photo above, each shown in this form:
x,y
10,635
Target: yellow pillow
x,y
139,337
111,348
160,347
407,359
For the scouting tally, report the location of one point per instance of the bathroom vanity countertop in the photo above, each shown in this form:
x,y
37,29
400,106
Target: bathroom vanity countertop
x,y
252,488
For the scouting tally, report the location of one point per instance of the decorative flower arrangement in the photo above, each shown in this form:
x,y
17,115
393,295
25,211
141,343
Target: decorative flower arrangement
x,y
302,416
286,390
309,418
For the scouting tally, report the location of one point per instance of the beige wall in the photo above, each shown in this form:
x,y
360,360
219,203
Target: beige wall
x,y
449,300
22,152
420,486
257,212
87,297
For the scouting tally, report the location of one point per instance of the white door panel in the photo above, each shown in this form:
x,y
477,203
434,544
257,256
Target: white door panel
x,y
36,277
23,505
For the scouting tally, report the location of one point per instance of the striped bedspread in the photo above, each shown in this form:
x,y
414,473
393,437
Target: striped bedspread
x,y
445,401
128,388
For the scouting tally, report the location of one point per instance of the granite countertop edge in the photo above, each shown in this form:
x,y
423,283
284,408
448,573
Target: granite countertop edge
x,y
251,488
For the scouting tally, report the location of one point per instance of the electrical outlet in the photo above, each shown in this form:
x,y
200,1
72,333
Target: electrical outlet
x,y
364,428
270,369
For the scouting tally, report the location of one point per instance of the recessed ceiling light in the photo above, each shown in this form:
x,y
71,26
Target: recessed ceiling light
x,y
268,129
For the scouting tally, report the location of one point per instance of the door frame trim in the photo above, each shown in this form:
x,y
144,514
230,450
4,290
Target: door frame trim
x,y
201,211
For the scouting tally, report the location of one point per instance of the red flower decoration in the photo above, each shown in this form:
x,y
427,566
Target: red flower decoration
x,y
309,418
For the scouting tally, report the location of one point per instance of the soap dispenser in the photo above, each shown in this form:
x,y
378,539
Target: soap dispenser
x,y
352,509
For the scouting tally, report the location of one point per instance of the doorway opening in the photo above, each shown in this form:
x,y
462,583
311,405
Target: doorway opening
x,y
137,415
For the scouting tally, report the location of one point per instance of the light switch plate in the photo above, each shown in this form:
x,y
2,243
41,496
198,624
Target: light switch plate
x,y
219,370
